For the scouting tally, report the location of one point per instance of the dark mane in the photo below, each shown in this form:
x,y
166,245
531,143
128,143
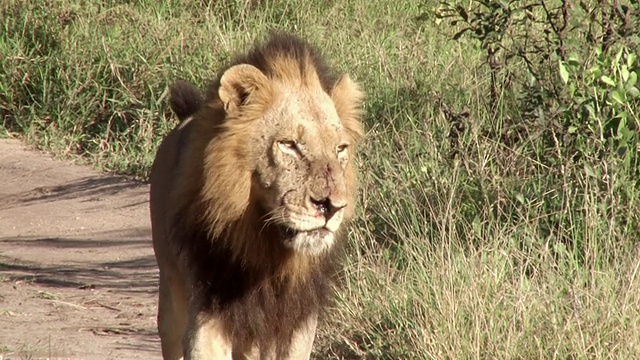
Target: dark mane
x,y
258,307
185,99
268,55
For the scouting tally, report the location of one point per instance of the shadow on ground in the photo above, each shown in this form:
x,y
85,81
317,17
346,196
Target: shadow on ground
x,y
93,188
92,270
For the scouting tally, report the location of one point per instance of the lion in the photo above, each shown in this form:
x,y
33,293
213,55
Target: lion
x,y
249,196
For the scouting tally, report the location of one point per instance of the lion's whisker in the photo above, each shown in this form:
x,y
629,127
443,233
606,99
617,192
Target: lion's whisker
x,y
274,216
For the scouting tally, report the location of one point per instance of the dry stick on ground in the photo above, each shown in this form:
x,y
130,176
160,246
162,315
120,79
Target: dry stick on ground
x,y
68,304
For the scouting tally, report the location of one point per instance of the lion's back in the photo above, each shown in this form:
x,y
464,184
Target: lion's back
x,y
162,179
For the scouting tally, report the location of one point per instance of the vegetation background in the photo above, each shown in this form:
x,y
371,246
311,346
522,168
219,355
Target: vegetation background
x,y
500,200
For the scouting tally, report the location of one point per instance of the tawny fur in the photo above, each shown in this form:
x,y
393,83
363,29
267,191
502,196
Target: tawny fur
x,y
217,228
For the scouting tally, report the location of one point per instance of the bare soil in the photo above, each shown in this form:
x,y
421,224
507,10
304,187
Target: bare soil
x,y
78,279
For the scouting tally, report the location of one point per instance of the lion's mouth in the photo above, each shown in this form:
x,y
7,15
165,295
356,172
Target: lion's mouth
x,y
287,233
310,242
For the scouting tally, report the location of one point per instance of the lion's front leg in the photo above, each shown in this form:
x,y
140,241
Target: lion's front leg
x,y
299,348
172,315
302,340
205,338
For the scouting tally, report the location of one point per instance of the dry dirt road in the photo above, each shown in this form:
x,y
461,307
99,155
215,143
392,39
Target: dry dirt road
x,y
77,274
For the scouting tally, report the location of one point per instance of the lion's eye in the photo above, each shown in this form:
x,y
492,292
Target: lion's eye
x,y
289,147
342,148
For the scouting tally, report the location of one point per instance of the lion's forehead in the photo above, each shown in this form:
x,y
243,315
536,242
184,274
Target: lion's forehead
x,y
318,136
309,117
312,107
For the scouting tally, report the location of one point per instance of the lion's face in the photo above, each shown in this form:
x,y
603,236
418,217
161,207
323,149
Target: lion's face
x,y
300,178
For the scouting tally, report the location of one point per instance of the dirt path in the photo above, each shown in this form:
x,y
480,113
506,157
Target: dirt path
x,y
77,273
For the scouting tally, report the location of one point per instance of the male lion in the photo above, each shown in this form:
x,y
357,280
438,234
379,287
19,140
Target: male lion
x,y
248,195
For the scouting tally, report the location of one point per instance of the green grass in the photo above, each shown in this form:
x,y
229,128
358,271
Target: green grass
x,y
495,253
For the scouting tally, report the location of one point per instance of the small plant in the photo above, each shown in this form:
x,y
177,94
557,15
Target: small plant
x,y
601,115
45,295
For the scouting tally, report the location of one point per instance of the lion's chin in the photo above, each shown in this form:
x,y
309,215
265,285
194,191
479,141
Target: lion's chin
x,y
312,243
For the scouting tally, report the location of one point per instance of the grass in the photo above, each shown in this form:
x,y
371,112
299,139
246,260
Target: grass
x,y
496,252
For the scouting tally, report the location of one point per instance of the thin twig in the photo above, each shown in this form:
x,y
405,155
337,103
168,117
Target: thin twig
x,y
68,304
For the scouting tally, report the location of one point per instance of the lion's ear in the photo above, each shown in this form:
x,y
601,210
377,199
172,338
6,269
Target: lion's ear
x,y
347,98
237,83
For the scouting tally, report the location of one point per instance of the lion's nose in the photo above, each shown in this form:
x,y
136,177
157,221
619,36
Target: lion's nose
x,y
326,207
